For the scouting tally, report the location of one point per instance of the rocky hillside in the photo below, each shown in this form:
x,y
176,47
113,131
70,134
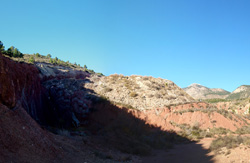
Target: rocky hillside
x,y
239,106
198,91
97,118
139,92
240,93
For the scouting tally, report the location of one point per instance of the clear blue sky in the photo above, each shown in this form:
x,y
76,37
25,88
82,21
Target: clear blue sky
x,y
186,41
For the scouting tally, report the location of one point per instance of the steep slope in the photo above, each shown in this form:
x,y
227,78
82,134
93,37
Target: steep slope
x,y
22,139
198,91
240,93
139,92
20,85
22,97
28,98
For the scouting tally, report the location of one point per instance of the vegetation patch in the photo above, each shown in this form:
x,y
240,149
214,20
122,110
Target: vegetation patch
x,y
11,51
228,142
223,112
219,131
16,55
215,100
194,132
243,130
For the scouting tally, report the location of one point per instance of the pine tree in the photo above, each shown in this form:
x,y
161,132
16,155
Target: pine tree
x,y
9,51
2,48
15,53
49,56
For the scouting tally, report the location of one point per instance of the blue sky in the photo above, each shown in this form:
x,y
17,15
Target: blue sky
x,y
186,41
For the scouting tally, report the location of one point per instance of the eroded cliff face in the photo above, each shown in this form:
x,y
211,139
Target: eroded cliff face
x,y
20,85
69,100
52,95
22,97
28,96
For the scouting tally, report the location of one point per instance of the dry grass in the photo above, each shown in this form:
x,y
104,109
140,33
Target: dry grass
x,y
225,113
228,142
243,130
194,132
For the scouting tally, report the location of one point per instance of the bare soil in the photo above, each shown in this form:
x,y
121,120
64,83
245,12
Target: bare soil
x,y
198,152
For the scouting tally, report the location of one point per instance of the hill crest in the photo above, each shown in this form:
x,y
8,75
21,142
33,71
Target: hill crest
x,y
199,91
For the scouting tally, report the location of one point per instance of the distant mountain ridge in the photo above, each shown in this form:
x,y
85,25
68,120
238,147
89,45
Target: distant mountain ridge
x,y
240,93
198,91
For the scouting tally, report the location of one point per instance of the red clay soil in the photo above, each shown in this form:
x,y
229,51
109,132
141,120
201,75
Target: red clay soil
x,y
15,78
23,140
164,117
20,85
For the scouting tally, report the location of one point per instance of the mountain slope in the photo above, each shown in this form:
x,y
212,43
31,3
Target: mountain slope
x,y
240,93
139,92
198,91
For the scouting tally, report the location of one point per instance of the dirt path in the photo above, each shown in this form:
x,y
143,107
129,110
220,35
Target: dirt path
x,y
196,152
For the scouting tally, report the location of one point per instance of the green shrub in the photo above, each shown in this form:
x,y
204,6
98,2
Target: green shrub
x,y
31,59
38,55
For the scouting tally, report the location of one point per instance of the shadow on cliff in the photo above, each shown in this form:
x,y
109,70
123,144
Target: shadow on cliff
x,y
117,127
109,125
113,126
